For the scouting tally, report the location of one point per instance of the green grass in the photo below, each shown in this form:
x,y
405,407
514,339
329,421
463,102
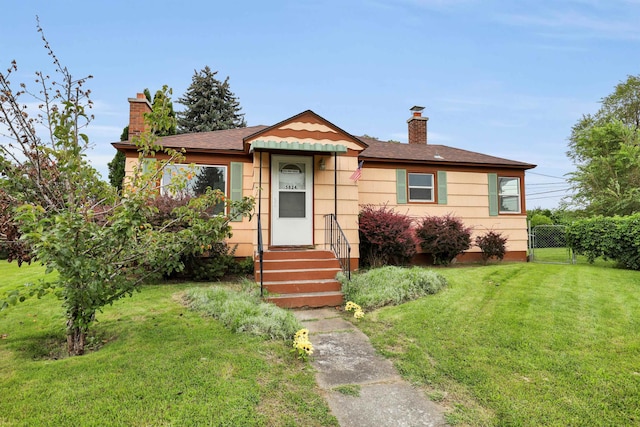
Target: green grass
x,y
522,344
159,364
563,256
348,389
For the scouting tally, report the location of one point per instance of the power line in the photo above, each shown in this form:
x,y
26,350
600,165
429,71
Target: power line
x,y
546,183
548,176
562,190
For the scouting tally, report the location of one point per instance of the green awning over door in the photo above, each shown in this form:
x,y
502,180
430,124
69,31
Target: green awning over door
x,y
260,145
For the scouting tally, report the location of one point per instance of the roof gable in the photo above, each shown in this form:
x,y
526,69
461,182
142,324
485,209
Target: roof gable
x,y
307,127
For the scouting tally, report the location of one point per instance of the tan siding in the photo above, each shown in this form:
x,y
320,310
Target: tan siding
x,y
347,199
468,198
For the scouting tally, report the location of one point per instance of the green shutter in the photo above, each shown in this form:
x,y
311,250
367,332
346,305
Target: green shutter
x,y
493,194
235,186
442,187
401,186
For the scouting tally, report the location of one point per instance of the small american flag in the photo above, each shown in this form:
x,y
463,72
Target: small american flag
x,y
358,173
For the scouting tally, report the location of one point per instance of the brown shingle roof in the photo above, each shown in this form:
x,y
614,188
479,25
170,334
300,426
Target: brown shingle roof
x,y
229,139
232,140
432,154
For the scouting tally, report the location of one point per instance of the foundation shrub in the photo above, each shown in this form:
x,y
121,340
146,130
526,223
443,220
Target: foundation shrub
x,y
492,245
444,237
386,237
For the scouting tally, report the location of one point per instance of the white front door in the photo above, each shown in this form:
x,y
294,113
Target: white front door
x,y
291,200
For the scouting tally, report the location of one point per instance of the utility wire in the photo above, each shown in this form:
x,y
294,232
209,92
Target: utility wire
x,y
563,190
548,176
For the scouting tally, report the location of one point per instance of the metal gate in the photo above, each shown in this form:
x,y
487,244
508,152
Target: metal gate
x,y
548,244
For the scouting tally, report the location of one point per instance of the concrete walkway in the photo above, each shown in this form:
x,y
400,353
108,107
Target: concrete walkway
x,y
344,356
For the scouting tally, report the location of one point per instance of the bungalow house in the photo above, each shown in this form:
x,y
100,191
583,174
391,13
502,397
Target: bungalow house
x,y
301,171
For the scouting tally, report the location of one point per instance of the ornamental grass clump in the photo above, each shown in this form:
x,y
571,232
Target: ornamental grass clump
x,y
243,312
391,285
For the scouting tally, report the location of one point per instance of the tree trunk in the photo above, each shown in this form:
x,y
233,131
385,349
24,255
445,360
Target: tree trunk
x,y
75,339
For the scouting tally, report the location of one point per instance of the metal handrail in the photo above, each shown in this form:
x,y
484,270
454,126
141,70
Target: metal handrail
x,y
260,256
336,239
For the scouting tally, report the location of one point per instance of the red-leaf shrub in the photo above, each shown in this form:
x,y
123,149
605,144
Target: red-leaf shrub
x,y
491,244
444,237
386,237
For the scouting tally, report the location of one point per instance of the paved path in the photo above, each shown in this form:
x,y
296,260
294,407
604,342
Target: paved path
x,y
344,356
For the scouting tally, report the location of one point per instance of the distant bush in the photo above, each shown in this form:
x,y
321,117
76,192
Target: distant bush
x,y
444,237
492,245
615,238
386,237
242,311
539,219
390,286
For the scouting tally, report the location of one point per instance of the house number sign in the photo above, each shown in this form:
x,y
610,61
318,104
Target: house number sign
x,y
292,176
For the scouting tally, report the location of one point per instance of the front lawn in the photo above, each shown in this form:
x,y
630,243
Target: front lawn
x,y
522,344
159,364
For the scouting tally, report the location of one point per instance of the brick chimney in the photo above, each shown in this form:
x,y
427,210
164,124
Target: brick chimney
x,y
138,107
417,126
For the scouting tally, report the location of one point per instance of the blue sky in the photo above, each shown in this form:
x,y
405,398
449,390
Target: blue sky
x,y
506,78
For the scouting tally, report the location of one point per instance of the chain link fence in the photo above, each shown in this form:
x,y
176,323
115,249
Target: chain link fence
x,y
548,244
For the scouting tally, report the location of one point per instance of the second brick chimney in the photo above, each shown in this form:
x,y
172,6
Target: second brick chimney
x,y
138,107
417,126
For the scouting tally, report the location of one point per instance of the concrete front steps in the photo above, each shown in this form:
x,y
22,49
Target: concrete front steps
x,y
300,278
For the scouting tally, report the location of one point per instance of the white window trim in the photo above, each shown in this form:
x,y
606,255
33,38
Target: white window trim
x,y
432,187
500,195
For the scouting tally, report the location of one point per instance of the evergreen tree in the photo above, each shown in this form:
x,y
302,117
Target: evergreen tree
x,y
116,166
210,105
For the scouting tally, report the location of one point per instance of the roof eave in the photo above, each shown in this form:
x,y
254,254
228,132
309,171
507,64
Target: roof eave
x,y
523,166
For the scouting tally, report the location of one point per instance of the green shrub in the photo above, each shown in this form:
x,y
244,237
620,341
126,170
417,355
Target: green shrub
x,y
615,238
386,237
244,312
444,237
390,286
244,267
540,219
492,245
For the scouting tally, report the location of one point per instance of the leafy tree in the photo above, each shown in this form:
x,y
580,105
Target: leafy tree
x,y
605,147
103,244
210,105
117,165
116,170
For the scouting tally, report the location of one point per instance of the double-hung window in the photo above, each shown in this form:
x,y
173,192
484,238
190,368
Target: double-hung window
x,y
421,187
509,195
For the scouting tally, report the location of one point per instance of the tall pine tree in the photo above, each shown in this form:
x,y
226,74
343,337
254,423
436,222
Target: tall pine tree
x,y
116,166
210,105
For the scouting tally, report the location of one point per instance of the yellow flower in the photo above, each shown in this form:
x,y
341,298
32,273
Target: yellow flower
x,y
359,314
302,333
